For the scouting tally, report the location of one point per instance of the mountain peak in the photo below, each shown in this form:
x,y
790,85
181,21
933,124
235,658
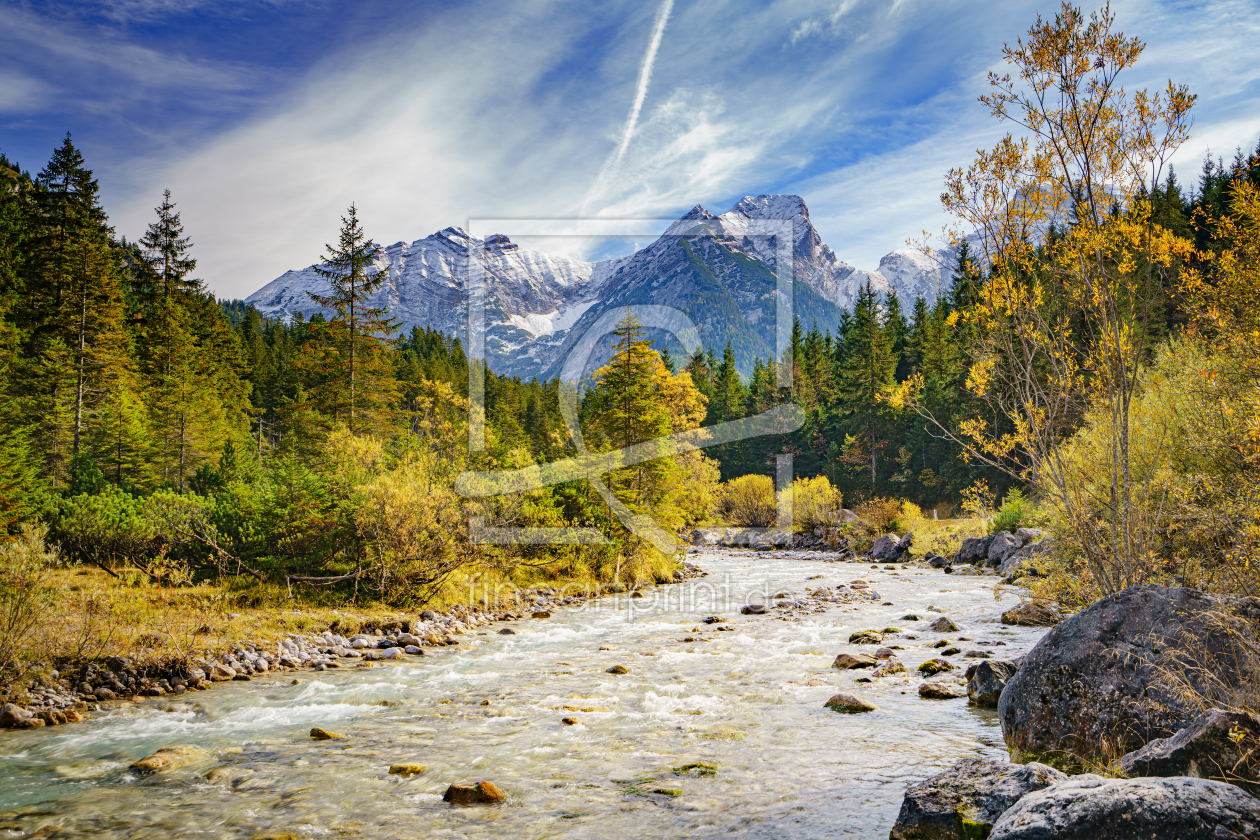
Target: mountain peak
x,y
770,207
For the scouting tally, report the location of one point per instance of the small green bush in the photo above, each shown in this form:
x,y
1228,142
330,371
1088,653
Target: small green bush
x,y
1013,514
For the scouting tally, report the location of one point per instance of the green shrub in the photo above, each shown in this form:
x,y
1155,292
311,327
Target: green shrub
x,y
1013,514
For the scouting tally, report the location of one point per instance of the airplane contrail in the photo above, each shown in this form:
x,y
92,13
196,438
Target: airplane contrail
x,y
645,75
609,169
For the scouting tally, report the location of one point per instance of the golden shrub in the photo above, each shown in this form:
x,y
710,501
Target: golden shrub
x,y
749,500
815,503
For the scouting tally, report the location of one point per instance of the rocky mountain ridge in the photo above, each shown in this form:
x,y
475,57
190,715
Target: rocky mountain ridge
x,y
718,270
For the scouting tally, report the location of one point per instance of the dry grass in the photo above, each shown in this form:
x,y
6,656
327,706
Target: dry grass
x,y
84,614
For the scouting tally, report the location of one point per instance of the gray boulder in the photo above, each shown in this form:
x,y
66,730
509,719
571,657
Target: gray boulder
x,y
1029,535
986,681
1132,809
1002,545
1026,560
1216,745
1094,680
974,550
886,548
967,799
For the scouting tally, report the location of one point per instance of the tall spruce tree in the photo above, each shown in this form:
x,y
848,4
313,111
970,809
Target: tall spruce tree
x,y
866,369
358,333
76,345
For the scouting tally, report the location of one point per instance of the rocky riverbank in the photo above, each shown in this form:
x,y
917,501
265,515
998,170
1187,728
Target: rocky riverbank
x,y
1101,692
68,695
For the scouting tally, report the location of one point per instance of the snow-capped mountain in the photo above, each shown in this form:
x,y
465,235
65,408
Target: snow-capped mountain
x,y
719,270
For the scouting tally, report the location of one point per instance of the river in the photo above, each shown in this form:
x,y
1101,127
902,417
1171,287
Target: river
x,y
747,702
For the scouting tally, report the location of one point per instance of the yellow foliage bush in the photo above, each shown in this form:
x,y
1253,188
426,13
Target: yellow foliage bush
x,y
881,514
815,503
749,501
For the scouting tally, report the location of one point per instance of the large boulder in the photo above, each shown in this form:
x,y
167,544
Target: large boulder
x,y
1002,545
1132,809
1094,683
886,548
987,680
967,799
973,550
1028,560
1216,745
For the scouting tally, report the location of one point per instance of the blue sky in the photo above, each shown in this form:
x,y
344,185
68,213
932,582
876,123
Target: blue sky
x,y
266,119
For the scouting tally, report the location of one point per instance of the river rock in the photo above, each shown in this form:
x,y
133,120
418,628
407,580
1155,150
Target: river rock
x,y
478,794
406,770
884,653
169,758
220,672
1216,745
940,691
866,637
889,667
1132,809
13,716
987,679
943,625
849,661
936,666
967,799
848,704
1032,614
1094,679
507,631
752,609
618,669
413,650
321,734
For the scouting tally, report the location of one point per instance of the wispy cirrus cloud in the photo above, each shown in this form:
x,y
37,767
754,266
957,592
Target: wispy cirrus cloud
x,y
426,116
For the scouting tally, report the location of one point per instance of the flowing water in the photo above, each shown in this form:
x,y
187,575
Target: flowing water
x,y
747,702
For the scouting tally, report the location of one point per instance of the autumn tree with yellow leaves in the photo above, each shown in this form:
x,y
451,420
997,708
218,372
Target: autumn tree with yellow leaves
x,y
1078,272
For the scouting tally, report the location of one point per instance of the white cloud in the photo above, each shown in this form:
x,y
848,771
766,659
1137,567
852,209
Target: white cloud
x,y
513,114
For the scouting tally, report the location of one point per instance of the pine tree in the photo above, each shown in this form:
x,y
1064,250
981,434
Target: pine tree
x,y
76,348
865,370
626,409
358,333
